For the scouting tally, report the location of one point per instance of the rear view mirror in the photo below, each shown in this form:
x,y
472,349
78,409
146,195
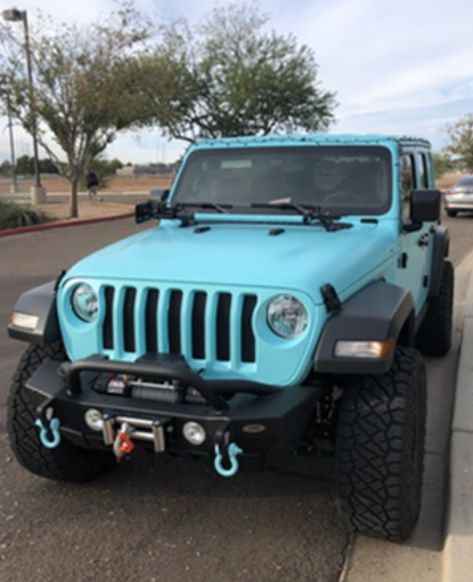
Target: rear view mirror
x,y
425,206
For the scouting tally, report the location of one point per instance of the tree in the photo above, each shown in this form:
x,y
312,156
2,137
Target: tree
x,y
460,146
442,163
104,168
232,78
82,99
25,166
6,168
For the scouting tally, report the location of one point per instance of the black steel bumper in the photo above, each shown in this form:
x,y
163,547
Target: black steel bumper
x,y
266,422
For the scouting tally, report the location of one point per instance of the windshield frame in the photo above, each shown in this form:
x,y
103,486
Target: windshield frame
x,y
382,149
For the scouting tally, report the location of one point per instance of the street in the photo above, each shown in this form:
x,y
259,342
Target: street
x,y
168,519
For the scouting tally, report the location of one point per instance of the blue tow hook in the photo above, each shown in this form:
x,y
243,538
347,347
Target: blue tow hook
x,y
233,450
53,428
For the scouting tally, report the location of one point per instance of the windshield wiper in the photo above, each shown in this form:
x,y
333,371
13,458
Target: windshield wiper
x,y
180,211
311,214
220,208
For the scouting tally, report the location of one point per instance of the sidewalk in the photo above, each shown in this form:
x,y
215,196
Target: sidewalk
x,y
60,210
458,553
57,209
441,548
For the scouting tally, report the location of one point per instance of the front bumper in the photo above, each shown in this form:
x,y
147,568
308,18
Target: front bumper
x,y
267,423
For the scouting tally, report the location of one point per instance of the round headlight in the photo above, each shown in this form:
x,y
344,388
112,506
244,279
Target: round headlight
x,y
85,302
287,317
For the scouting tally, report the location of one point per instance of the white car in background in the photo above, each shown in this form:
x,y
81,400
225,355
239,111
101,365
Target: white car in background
x,y
460,197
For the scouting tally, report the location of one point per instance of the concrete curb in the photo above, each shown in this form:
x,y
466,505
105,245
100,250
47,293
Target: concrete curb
x,y
62,224
458,551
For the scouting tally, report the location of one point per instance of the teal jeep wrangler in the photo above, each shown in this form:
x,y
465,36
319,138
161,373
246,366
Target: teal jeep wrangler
x,y
277,309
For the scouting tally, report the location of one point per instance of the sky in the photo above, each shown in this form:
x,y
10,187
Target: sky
x,y
403,67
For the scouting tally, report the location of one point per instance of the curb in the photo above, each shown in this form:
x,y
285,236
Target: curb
x,y
458,550
62,224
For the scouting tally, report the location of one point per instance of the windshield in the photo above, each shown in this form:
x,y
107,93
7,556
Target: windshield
x,y
342,180
467,181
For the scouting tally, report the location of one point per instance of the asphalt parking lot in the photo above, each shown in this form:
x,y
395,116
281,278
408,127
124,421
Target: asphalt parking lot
x,y
166,519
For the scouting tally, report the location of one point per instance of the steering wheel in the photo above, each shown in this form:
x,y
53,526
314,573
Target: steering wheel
x,y
346,198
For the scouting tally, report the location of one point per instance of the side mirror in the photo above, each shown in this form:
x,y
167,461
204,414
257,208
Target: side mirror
x,y
161,194
144,211
425,206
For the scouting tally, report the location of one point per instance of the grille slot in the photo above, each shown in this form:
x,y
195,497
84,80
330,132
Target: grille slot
x,y
223,326
151,314
107,330
174,322
198,325
247,335
129,319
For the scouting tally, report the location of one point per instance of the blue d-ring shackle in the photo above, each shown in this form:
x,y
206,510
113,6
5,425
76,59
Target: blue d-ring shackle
x,y
233,450
49,443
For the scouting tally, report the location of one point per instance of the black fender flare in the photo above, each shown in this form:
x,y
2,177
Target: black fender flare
x,y
379,312
440,250
41,302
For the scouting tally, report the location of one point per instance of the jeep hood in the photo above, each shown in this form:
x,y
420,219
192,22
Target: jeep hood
x,y
301,258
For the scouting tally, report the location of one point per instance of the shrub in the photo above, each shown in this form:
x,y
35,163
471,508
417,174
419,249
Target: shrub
x,y
14,215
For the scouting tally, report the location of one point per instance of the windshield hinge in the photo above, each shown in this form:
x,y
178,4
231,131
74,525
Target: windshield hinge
x,y
330,297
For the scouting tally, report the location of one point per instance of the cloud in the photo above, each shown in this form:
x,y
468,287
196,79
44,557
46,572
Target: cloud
x,y
402,67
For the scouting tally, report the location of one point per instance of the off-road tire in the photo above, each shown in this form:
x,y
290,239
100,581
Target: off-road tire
x,y
64,463
434,337
380,448
451,213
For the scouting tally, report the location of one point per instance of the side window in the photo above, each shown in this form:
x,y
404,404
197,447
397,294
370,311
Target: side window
x,y
408,181
424,172
429,171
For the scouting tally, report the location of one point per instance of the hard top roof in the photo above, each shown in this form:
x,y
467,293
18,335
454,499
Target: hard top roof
x,y
316,139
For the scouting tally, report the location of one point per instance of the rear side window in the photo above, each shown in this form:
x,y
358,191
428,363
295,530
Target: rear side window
x,y
408,181
408,176
424,171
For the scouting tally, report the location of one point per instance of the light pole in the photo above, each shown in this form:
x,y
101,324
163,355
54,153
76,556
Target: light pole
x,y
14,15
14,185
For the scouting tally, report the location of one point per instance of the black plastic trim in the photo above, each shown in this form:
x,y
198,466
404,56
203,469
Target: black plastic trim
x,y
248,343
151,321
441,243
223,326
39,301
174,322
198,325
377,312
129,319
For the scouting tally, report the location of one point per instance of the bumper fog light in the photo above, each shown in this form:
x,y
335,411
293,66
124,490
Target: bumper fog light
x,y
24,320
363,349
194,433
93,419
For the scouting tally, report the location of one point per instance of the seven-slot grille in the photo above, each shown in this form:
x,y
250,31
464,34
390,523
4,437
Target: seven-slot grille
x,y
200,325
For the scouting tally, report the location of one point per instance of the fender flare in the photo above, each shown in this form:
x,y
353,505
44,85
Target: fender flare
x,y
39,301
440,250
379,312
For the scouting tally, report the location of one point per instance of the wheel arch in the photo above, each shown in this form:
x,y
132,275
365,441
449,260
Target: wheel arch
x,y
40,302
379,312
440,250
